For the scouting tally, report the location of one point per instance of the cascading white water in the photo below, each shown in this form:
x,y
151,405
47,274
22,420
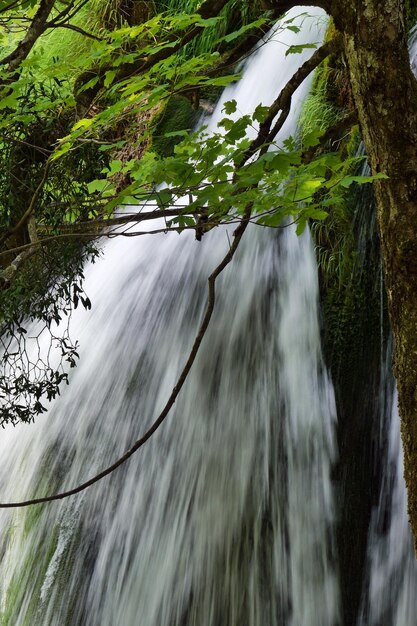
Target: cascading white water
x,y
225,516
392,568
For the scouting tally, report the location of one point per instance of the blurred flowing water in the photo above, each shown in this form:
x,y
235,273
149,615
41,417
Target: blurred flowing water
x,y
391,572
226,517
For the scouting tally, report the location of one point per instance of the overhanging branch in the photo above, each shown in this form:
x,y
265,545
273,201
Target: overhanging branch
x,y
282,103
211,297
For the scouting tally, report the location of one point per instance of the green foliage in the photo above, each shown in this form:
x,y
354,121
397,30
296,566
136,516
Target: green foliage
x,y
237,14
318,112
212,171
45,292
68,160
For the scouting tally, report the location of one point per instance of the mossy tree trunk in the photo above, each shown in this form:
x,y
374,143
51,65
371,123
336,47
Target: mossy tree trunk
x,y
385,93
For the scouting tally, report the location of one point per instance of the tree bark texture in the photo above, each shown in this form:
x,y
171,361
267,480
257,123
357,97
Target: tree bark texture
x,y
385,93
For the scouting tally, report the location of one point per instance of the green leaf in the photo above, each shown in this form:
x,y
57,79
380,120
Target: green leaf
x,y
177,133
97,185
282,161
207,22
237,33
184,221
274,220
300,48
62,149
301,225
88,85
84,123
115,167
109,78
348,180
261,113
164,197
316,214
238,130
313,137
226,123
302,190
229,107
290,143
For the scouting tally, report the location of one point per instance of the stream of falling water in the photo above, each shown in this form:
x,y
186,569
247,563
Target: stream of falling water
x,y
389,596
225,516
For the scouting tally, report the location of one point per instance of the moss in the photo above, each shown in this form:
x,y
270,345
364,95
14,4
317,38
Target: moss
x,y
38,540
178,114
25,582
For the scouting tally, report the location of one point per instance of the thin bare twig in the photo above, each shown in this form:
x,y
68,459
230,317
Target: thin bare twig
x,y
76,29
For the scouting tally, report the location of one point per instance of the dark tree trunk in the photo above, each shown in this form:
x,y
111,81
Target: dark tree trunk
x,y
385,93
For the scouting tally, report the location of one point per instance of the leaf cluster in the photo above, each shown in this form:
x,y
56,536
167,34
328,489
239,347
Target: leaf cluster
x,y
62,155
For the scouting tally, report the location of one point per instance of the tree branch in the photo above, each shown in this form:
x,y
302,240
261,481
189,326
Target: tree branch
x,y
123,219
10,6
7,275
76,29
31,206
68,13
36,29
211,297
283,101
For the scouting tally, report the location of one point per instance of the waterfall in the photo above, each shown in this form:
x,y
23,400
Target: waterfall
x,y
225,517
392,568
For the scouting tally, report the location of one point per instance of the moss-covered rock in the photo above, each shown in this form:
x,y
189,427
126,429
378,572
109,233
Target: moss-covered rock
x,y
178,114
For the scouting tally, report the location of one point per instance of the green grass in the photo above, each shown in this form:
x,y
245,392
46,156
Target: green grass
x,y
318,111
61,49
